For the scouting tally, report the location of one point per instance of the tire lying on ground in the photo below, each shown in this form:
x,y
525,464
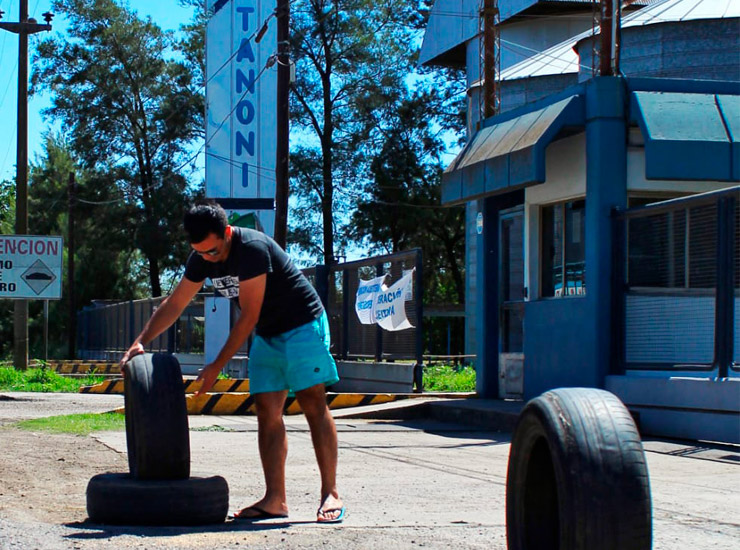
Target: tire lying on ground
x,y
119,499
577,477
156,418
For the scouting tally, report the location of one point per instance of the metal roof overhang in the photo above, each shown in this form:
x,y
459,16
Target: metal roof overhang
x,y
509,154
689,136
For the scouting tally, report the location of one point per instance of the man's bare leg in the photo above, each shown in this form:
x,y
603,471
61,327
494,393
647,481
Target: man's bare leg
x,y
324,437
273,446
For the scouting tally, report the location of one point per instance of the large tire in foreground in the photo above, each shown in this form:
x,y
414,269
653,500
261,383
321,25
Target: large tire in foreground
x,y
157,434
577,476
119,499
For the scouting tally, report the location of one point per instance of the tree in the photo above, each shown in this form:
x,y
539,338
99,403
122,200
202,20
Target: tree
x,y
107,263
7,207
131,114
352,57
402,208
7,227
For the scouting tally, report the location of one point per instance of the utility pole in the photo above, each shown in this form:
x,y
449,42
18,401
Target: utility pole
x,y
490,58
72,323
283,123
23,28
605,28
610,29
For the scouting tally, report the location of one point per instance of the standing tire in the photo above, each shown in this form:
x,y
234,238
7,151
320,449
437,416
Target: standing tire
x,y
577,477
119,499
157,435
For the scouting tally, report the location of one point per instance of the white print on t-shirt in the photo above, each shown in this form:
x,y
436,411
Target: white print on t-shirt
x,y
227,286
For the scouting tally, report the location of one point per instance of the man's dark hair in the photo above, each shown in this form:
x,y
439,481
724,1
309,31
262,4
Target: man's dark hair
x,y
205,218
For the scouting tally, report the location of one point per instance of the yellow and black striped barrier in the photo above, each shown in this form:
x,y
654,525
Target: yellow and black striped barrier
x,y
84,367
227,404
221,386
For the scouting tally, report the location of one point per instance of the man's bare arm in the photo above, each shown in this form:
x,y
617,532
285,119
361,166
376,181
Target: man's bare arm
x,y
164,316
251,296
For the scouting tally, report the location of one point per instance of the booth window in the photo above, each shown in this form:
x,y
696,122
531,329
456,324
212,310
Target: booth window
x,y
563,249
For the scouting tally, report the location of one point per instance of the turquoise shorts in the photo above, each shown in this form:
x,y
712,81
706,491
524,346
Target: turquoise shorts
x,y
294,360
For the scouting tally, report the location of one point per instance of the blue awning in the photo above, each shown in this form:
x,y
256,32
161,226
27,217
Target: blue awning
x,y
509,154
689,136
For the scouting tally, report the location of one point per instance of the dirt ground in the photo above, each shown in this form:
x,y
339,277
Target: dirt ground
x,y
43,475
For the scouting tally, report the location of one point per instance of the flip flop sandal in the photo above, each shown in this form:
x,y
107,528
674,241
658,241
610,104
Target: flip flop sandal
x,y
257,514
338,519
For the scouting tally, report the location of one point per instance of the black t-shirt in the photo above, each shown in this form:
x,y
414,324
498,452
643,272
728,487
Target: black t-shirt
x,y
290,300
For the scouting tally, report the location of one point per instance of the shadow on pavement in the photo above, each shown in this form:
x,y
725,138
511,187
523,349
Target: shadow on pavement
x,y
96,531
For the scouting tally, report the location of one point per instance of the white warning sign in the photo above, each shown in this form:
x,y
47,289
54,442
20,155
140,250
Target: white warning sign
x,y
31,267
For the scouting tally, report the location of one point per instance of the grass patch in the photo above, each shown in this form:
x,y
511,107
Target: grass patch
x,y
448,378
43,380
80,424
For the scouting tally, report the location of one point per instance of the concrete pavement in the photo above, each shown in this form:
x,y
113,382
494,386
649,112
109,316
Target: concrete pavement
x,y
409,479
427,483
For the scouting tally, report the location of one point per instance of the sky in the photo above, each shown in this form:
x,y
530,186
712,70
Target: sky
x,y
167,13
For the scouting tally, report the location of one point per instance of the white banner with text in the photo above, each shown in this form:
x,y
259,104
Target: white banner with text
x,y
376,303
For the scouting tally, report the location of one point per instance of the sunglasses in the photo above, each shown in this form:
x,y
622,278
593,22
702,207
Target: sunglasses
x,y
213,252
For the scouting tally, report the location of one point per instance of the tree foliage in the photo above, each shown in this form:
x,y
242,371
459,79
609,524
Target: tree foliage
x,y
402,210
351,57
131,111
368,131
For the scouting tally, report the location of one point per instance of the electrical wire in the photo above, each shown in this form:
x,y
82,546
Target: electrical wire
x,y
208,80
253,168
510,47
10,145
10,81
270,62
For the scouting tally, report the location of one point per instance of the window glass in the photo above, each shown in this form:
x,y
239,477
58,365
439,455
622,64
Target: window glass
x,y
673,249
575,250
563,249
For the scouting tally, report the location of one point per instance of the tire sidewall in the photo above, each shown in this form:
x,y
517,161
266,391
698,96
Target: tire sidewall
x,y
599,469
534,425
120,499
158,439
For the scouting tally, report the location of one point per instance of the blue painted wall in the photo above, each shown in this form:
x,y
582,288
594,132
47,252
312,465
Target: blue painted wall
x,y
559,345
567,341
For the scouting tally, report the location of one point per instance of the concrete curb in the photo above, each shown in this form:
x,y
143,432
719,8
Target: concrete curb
x,y
486,414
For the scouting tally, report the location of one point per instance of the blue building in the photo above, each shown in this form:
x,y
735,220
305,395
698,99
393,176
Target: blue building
x,y
603,242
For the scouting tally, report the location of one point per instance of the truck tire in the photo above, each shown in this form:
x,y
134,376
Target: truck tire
x,y
157,434
577,477
119,499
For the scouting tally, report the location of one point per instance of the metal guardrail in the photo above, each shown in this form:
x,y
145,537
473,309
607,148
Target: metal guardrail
x,y
677,284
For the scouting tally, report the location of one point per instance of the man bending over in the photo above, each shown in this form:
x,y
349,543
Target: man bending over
x,y
290,350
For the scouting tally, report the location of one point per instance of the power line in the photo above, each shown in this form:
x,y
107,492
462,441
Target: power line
x,y
270,62
12,74
254,168
10,145
208,80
